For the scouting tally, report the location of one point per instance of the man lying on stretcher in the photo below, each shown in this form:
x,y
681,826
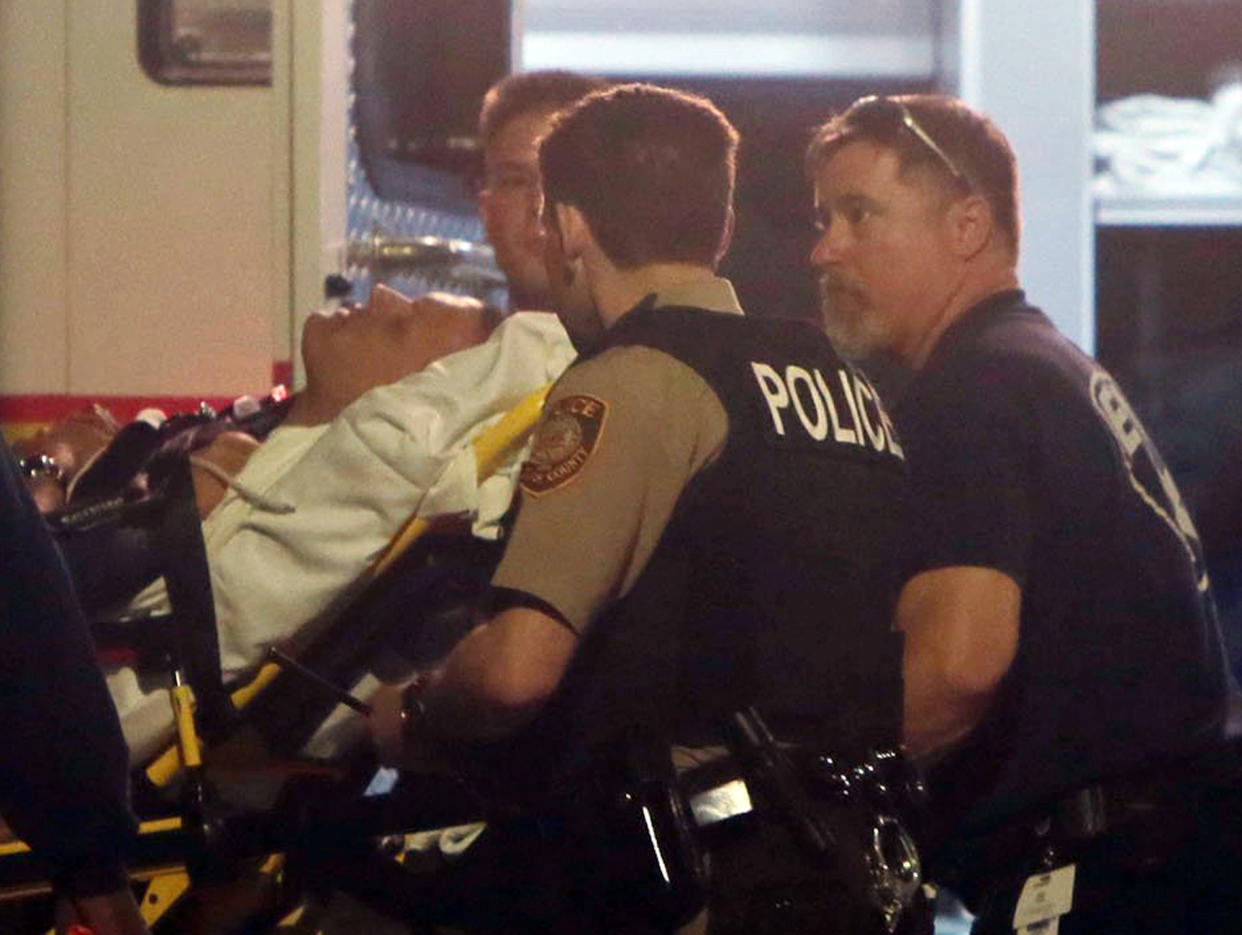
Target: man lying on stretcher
x,y
396,390
366,446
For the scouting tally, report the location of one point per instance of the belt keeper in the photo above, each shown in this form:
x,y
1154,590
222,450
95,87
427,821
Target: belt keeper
x,y
1083,814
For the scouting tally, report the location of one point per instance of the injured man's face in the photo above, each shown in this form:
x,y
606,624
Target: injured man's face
x,y
353,349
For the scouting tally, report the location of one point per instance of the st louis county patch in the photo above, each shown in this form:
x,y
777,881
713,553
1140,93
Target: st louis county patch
x,y
564,442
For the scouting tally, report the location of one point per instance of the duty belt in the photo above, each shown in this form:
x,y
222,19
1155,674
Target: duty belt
x,y
845,818
1160,801
719,790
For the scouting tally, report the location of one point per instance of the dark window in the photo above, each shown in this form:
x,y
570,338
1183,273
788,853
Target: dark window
x,y
206,41
420,71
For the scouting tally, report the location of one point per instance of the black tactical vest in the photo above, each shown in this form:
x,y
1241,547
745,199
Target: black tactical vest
x,y
775,582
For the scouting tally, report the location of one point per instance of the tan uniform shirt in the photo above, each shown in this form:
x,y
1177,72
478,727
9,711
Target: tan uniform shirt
x,y
621,436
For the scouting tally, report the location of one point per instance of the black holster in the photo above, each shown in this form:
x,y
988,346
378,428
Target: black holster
x,y
849,821
634,856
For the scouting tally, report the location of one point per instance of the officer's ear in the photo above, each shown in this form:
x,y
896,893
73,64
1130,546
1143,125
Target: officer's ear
x,y
726,238
971,225
575,233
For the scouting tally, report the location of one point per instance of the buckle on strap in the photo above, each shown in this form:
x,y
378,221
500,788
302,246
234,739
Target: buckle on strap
x,y
730,799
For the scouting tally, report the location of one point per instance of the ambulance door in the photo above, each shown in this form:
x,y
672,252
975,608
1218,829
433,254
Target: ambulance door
x,y
385,162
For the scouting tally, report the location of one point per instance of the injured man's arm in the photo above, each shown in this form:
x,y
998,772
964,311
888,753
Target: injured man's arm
x,y
395,394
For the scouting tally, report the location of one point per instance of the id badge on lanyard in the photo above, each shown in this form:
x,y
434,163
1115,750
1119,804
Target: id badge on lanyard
x,y
1045,898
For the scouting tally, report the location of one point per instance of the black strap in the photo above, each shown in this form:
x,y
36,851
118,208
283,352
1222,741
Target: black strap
x,y
769,768
183,558
176,536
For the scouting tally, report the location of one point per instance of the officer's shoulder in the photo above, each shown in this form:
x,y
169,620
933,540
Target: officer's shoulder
x,y
1026,353
1004,342
630,371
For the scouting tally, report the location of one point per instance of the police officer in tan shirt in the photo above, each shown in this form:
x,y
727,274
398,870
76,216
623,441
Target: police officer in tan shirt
x,y
705,524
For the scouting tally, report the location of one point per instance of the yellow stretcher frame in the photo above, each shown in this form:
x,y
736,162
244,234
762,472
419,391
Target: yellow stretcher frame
x,y
490,448
167,884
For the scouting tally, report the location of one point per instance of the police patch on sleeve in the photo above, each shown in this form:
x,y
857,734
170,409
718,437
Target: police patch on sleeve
x,y
564,442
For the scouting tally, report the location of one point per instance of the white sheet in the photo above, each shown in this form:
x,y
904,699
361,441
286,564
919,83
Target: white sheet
x,y
314,506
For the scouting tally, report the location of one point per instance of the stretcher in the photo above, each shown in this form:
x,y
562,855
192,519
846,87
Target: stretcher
x,y
197,832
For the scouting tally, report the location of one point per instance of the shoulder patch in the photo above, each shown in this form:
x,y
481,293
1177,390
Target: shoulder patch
x,y
564,442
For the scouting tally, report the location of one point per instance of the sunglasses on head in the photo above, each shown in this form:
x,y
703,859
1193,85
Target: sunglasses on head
x,y
876,109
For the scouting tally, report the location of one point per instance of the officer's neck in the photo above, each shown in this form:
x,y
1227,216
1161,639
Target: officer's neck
x,y
619,290
977,281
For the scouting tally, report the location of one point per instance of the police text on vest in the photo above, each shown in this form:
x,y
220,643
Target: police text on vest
x,y
844,405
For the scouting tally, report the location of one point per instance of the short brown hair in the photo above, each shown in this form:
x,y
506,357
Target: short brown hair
x,y
651,169
520,94
973,143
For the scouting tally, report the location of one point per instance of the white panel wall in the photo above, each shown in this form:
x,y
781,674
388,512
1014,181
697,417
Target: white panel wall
x,y
33,197
1030,65
170,242
140,225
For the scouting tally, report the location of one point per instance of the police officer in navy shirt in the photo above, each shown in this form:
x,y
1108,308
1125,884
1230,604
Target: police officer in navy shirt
x,y
707,522
1063,666
64,783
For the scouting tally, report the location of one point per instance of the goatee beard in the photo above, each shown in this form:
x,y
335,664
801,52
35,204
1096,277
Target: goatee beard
x,y
854,330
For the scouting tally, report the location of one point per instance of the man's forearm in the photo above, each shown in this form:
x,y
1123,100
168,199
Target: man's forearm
x,y
936,713
961,637
455,707
498,677
492,683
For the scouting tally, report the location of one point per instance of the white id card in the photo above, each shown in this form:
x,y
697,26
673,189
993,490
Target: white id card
x,y
1044,896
